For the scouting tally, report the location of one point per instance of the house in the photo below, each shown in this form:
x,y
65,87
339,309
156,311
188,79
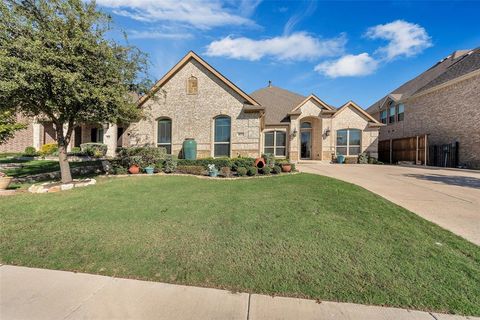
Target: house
x,y
443,103
195,101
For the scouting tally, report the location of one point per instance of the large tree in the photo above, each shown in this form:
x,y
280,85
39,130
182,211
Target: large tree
x,y
9,125
57,64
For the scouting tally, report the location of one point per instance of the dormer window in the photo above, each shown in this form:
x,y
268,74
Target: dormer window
x,y
192,85
383,116
400,112
391,112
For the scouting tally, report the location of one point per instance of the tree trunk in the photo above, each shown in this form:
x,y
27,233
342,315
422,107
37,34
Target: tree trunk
x,y
64,164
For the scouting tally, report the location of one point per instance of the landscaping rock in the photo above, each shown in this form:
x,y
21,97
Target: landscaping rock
x,y
67,186
56,187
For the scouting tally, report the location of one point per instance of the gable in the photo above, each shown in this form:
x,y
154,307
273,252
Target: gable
x,y
312,99
359,111
193,58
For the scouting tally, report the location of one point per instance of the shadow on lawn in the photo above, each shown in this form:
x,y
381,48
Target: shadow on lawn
x,y
462,181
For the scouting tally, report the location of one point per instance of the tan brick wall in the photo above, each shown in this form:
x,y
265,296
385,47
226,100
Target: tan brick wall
x,y
193,115
448,114
22,138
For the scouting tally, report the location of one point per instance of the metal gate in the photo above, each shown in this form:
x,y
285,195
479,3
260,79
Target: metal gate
x,y
445,155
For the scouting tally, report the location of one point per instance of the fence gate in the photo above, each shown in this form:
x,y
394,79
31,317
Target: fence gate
x,y
445,155
411,149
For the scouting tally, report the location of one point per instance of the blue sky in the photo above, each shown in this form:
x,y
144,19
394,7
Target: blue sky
x,y
338,50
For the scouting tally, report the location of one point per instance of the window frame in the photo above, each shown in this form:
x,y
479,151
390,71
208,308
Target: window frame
x,y
275,146
382,118
348,145
391,117
215,143
167,145
400,115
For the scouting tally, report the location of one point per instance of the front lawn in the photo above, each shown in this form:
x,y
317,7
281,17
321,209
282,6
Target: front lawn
x,y
32,167
299,235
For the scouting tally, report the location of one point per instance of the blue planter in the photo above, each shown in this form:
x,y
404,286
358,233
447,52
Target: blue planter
x,y
149,170
340,158
213,173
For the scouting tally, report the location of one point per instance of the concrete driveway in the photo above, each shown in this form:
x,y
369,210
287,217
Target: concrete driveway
x,y
449,198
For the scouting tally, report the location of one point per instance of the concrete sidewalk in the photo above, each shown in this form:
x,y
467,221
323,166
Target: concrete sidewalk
x,y
29,293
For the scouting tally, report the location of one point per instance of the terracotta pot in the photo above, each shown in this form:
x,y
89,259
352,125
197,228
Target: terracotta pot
x,y
286,167
260,163
134,169
5,182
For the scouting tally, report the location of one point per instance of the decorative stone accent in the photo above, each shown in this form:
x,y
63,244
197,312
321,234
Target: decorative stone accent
x,y
49,187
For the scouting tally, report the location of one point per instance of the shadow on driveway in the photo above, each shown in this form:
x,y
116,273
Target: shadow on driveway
x,y
462,181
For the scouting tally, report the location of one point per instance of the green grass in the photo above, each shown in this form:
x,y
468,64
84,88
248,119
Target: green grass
x,y
300,235
32,167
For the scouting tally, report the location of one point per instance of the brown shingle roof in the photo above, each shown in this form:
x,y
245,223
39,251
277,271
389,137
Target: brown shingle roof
x,y
451,67
278,103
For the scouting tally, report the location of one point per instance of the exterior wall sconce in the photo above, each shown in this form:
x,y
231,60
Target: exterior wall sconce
x,y
294,133
327,132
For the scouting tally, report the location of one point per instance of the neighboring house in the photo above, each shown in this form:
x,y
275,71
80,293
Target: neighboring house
x,y
193,100
443,103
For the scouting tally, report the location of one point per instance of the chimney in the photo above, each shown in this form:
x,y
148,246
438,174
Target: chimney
x,y
269,83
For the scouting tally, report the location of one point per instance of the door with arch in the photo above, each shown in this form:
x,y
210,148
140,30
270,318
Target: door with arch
x,y
306,140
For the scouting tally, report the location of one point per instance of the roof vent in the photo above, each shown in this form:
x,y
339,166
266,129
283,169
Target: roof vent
x,y
269,83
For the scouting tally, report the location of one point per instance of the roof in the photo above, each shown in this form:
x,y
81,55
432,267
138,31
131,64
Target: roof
x,y
453,66
278,103
184,61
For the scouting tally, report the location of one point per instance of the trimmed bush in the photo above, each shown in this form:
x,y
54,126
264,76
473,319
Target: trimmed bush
x,y
120,170
351,160
218,162
143,156
294,167
241,171
252,171
242,162
277,169
94,149
363,158
225,172
170,164
48,149
196,170
266,170
269,159
30,152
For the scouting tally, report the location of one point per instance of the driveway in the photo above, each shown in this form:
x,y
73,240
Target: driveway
x,y
449,198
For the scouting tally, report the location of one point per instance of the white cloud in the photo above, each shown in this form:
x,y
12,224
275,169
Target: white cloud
x,y
297,46
196,13
157,34
348,66
405,38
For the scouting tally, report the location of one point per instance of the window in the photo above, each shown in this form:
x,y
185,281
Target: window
x,y
349,142
400,112
164,136
306,125
383,116
96,135
222,137
275,143
391,114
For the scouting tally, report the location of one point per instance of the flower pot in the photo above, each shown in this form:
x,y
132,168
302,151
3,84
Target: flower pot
x,y
149,170
134,169
286,167
5,182
213,173
340,158
260,163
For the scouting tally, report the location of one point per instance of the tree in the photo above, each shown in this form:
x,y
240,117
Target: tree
x,y
57,64
9,125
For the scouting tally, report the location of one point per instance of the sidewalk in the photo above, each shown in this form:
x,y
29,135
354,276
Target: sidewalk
x,y
29,293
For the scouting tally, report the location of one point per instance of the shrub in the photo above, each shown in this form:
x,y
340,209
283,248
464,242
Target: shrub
x,y
252,171
269,159
363,158
196,170
159,166
170,164
225,172
241,171
294,167
94,149
218,162
30,152
120,170
48,149
351,160
242,162
266,170
277,169
143,156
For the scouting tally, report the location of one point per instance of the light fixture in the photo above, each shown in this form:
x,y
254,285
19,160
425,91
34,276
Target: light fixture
x,y
327,132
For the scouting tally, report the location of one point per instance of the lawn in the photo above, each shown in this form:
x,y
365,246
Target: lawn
x,y
299,235
32,167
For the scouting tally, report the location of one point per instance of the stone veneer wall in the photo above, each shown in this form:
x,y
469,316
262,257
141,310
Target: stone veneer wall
x,y
448,114
193,115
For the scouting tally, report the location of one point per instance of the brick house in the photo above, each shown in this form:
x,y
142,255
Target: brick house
x,y
443,103
193,100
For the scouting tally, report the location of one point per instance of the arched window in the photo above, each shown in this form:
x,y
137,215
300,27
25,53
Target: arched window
x,y
306,125
164,136
349,142
222,136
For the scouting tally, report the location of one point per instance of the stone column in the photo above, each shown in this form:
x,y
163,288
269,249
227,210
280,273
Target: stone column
x,y
293,138
110,138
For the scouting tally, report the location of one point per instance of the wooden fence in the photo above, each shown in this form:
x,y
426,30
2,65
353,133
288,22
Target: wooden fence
x,y
412,149
445,155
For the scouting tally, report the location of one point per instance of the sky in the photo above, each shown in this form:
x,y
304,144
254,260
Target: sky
x,y
337,50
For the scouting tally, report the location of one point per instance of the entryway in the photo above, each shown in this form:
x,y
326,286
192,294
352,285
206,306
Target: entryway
x,y
306,141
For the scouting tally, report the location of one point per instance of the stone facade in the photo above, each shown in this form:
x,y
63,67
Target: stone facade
x,y
451,113
193,115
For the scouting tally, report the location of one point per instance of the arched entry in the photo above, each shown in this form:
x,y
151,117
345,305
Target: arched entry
x,y
306,140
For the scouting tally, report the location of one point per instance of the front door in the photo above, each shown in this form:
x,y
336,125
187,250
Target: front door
x,y
306,144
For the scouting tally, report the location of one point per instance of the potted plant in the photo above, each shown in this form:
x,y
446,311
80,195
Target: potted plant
x,y
286,167
4,181
212,170
340,158
134,163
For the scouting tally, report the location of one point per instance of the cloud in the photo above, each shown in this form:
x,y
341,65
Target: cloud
x,y
405,38
157,34
297,46
348,66
296,18
196,13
